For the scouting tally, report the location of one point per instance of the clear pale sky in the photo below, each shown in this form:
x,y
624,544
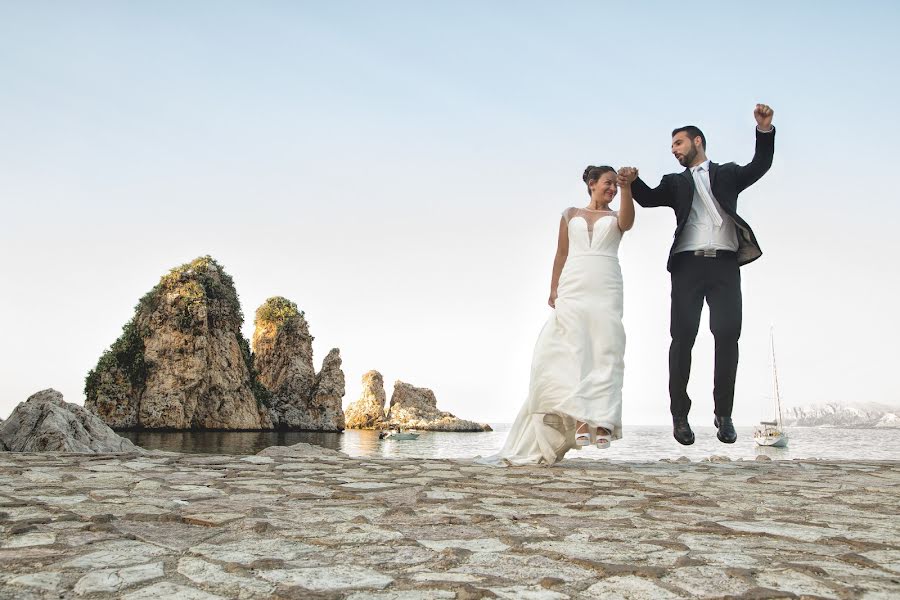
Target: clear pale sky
x,y
398,168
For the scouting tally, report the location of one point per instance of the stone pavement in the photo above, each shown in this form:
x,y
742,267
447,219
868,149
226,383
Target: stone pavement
x,y
200,526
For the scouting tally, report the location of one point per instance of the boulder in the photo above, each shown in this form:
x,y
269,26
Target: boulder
x,y
301,450
46,423
416,408
368,411
181,362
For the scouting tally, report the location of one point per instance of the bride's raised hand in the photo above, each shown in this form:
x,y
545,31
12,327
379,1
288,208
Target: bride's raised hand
x,y
626,175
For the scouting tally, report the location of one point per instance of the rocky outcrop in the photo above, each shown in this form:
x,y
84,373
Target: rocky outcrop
x,y
368,411
328,394
46,423
416,408
181,362
297,397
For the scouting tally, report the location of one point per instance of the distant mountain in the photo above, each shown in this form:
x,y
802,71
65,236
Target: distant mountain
x,y
841,415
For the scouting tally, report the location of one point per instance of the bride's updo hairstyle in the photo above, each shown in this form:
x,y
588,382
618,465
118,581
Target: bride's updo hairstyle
x,y
592,174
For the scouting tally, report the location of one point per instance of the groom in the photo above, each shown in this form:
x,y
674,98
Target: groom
x,y
711,242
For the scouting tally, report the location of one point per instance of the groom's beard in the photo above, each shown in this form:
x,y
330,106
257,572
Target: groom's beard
x,y
688,159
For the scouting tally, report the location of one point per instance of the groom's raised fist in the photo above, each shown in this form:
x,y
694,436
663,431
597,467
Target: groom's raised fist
x,y
763,114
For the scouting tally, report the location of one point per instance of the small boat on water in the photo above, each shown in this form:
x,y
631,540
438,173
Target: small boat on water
x,y
772,433
397,435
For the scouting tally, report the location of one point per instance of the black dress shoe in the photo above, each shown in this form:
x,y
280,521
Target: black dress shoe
x,y
726,433
681,431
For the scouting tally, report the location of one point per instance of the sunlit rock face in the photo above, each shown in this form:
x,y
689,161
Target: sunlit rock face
x,y
297,397
416,408
181,362
368,411
47,423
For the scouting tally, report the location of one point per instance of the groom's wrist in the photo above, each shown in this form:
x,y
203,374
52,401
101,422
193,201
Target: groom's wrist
x,y
769,130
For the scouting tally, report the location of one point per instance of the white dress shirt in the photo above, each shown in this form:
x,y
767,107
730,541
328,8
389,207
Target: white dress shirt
x,y
708,227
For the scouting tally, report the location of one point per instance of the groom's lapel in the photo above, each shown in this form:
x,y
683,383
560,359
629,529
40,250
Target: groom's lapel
x,y
713,169
689,177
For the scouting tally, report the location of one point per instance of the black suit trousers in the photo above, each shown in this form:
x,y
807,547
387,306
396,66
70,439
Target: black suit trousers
x,y
718,281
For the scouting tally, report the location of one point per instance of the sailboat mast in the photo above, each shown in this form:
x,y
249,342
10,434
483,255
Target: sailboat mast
x,y
775,373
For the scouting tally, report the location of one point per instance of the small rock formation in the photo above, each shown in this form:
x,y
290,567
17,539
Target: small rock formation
x,y
181,362
368,411
297,397
301,450
46,423
416,408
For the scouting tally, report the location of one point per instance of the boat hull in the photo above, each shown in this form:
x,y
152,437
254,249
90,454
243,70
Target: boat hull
x,y
401,436
774,441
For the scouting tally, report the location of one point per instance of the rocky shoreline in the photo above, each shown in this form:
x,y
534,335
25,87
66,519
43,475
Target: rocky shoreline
x,y
306,522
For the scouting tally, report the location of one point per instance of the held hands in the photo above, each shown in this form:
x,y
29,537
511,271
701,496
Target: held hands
x,y
763,114
626,175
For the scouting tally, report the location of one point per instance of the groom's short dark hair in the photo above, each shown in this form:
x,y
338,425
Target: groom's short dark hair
x,y
692,131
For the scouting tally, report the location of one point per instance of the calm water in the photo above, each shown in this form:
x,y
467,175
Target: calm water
x,y
638,444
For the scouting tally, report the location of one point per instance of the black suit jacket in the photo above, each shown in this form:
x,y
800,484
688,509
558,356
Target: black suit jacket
x,y
676,191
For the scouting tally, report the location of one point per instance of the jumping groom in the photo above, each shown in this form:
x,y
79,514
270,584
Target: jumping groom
x,y
711,242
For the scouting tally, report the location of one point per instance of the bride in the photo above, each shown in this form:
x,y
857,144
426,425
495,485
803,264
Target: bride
x,y
575,393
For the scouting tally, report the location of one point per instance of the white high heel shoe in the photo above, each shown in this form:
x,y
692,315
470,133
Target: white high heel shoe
x,y
603,440
583,435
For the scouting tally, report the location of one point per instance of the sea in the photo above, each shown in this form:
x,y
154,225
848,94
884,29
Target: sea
x,y
638,444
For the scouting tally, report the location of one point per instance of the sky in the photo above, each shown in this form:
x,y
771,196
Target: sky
x,y
398,169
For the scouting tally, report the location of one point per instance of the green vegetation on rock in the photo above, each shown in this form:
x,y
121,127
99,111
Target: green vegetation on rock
x,y
277,310
126,354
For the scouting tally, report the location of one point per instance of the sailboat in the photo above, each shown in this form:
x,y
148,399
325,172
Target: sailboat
x,y
772,433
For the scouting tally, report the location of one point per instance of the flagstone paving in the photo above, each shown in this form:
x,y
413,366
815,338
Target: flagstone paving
x,y
186,526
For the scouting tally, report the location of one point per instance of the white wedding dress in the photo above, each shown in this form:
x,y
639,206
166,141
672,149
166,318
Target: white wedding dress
x,y
577,369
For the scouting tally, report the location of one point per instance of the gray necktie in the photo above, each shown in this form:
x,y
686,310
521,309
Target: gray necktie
x,y
706,196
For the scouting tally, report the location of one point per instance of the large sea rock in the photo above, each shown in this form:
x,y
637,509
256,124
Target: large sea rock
x,y
47,423
181,362
368,411
416,408
297,397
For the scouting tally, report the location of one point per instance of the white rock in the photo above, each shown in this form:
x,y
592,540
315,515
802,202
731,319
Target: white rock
x,y
29,539
629,587
480,545
46,580
521,592
170,591
252,549
258,460
120,553
404,595
214,576
322,579
114,580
